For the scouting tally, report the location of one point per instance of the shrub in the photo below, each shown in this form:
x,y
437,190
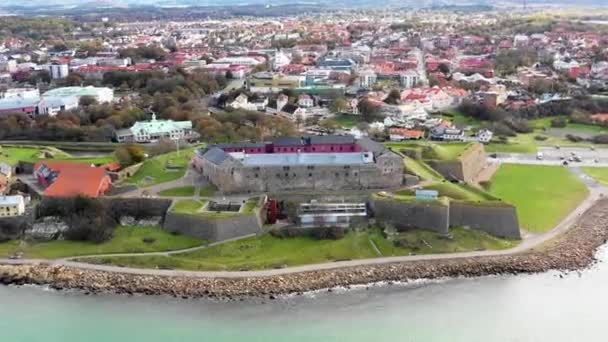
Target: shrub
x,y
540,138
559,122
574,138
600,139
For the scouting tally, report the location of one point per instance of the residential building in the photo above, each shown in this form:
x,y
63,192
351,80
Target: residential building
x,y
12,205
401,134
58,71
446,134
484,136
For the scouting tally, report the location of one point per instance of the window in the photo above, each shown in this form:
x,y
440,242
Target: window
x,y
337,174
285,168
286,174
310,175
256,175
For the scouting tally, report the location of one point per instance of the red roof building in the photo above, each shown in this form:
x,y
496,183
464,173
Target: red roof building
x,y
67,179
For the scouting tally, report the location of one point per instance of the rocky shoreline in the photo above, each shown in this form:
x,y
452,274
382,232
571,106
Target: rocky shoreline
x,y
573,250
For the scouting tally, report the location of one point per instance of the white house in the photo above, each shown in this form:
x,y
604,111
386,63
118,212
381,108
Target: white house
x,y
12,205
304,100
153,130
484,135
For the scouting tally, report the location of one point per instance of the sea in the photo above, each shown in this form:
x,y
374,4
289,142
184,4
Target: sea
x,y
552,306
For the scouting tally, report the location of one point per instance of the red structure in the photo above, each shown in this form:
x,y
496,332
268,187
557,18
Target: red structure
x,y
312,144
65,179
272,211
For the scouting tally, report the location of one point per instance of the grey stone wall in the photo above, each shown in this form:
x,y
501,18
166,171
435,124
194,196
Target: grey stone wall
x,y
466,167
212,229
498,220
411,215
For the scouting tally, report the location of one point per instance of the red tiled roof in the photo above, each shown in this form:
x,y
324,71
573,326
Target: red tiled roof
x,y
410,133
76,179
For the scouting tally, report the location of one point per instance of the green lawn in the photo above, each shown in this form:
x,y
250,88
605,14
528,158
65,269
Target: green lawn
x,y
14,154
187,206
267,252
125,240
92,160
460,119
346,120
600,174
182,191
543,195
162,168
459,192
208,190
249,206
432,150
427,242
420,169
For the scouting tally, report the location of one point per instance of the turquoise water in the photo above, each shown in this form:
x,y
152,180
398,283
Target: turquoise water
x,y
542,307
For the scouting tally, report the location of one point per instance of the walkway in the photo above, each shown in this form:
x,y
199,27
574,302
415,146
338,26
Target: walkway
x,y
596,192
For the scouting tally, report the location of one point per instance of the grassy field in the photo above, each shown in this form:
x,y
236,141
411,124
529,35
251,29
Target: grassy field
x,y
432,150
125,240
267,252
459,192
543,195
182,191
346,120
14,154
420,169
600,174
208,190
187,206
427,242
460,119
162,168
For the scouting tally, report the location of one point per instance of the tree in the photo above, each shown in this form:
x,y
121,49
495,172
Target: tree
x,y
129,154
87,100
329,125
393,97
444,68
339,105
369,111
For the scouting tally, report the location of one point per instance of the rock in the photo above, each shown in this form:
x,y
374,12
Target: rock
x,y
132,221
47,229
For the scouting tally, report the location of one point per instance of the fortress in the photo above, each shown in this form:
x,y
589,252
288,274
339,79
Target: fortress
x,y
320,163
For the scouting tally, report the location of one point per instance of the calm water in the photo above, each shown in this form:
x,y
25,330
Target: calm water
x,y
515,308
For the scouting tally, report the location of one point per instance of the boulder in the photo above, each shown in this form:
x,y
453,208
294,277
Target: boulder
x,y
47,229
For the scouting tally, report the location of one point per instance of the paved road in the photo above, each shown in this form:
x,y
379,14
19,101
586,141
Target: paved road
x,y
553,156
596,191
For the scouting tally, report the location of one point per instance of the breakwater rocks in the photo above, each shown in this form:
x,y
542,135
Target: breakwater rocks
x,y
573,250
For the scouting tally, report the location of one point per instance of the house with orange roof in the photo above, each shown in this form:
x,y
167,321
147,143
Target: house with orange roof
x,y
67,179
401,134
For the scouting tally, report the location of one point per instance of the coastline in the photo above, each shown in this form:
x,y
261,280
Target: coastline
x,y
572,250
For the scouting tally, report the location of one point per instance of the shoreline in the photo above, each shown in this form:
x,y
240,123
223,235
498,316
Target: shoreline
x,y
572,250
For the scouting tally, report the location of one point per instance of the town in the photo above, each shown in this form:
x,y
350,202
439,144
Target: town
x,y
342,135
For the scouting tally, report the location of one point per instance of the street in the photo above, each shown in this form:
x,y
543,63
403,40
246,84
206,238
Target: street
x,y
553,156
